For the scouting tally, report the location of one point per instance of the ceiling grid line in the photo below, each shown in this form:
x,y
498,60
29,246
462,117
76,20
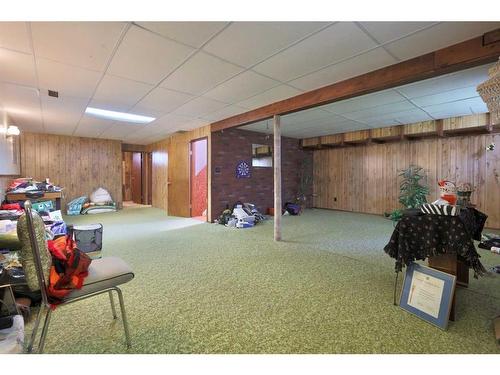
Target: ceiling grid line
x,y
245,69
30,41
126,27
409,100
158,85
193,57
379,45
360,25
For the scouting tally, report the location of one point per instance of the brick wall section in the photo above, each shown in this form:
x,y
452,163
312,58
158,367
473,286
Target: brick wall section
x,y
234,145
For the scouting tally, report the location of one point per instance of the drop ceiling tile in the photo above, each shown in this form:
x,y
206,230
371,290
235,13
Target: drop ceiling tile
x,y
387,31
120,90
192,33
403,117
138,110
68,80
439,36
379,111
313,123
476,105
29,122
200,73
90,126
348,126
241,87
247,43
364,102
17,67
199,107
22,105
147,131
61,115
110,105
307,115
146,57
415,115
226,112
14,36
19,100
167,122
270,96
85,44
337,42
164,100
445,97
457,108
120,130
195,124
367,62
464,78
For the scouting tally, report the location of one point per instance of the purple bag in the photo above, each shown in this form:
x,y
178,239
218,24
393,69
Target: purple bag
x,y
292,208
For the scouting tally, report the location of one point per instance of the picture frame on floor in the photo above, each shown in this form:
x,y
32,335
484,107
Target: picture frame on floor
x,y
428,294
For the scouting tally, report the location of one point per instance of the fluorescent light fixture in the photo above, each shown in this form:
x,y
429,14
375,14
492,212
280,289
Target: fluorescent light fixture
x,y
119,116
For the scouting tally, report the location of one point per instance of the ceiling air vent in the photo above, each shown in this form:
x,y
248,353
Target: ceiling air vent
x,y
181,131
54,94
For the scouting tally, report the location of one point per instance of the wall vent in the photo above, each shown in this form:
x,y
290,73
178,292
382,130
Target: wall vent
x,y
54,94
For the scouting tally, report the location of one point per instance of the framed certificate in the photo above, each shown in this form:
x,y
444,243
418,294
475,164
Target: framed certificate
x,y
428,294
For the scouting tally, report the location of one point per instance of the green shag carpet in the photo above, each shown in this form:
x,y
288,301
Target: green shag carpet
x,y
205,288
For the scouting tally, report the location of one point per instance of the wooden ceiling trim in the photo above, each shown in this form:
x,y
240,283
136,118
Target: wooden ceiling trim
x,y
473,52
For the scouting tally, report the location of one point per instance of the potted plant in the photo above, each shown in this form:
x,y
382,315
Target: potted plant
x,y
412,191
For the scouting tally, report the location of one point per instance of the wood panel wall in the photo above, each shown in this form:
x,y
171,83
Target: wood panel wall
x,y
170,172
80,165
364,178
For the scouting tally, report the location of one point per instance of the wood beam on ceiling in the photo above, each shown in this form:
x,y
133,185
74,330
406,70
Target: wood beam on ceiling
x,y
474,52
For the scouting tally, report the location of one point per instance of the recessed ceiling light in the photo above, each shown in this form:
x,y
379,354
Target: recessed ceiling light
x,y
119,116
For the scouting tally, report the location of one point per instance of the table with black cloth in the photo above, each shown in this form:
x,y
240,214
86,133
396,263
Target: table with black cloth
x,y
447,241
423,236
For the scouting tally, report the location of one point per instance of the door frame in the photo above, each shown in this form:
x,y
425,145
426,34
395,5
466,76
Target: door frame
x,y
190,154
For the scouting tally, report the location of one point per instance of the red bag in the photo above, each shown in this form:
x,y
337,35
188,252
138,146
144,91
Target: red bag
x,y
69,268
10,206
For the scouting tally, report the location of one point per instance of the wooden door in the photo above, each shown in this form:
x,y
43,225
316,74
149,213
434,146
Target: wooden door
x,y
127,175
137,177
146,177
198,178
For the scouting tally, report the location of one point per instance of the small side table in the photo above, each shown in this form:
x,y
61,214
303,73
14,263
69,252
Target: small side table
x,y
452,264
48,195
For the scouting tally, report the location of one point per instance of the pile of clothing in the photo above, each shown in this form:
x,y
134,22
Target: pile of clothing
x,y
10,211
242,215
100,201
28,185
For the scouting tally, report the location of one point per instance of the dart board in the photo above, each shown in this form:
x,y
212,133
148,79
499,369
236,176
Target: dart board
x,y
242,170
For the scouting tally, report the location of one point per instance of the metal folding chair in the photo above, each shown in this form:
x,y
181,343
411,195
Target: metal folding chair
x,y
105,275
